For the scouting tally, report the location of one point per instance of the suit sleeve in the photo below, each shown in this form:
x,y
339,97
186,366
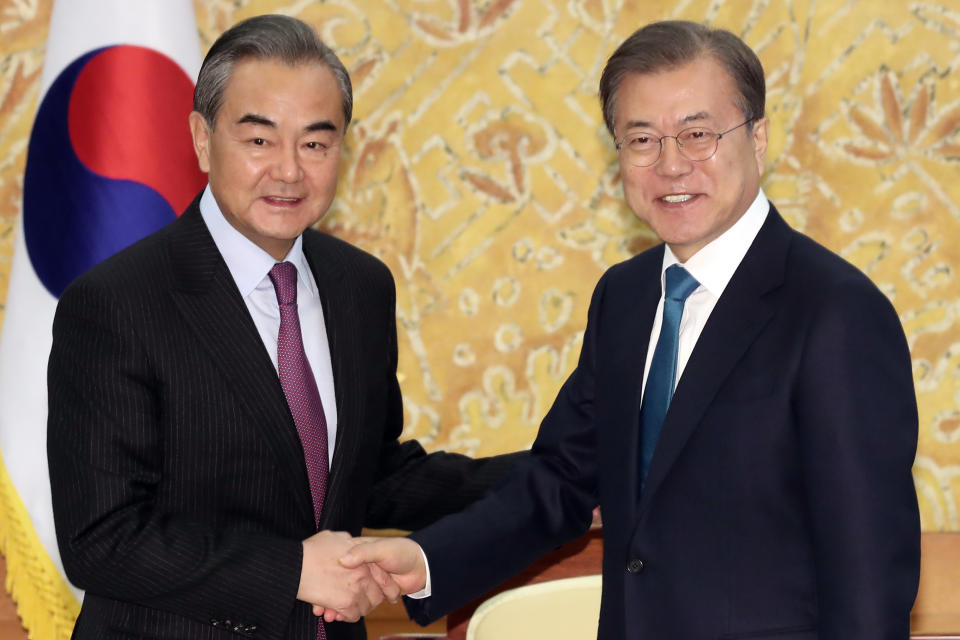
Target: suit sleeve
x,y
857,419
106,452
546,502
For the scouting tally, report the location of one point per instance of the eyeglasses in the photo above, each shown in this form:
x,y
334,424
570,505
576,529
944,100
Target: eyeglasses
x,y
642,148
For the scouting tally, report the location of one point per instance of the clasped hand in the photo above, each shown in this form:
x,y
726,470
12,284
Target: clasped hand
x,y
344,578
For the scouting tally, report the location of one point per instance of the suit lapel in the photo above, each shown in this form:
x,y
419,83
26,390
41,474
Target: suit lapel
x,y
340,313
207,297
628,357
738,318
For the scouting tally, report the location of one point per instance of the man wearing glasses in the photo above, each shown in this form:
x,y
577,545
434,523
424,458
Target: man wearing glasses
x,y
742,410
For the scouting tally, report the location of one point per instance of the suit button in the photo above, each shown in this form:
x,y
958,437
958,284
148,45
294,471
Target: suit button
x,y
635,565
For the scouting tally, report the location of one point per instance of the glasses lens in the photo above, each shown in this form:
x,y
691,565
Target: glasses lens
x,y
697,143
642,148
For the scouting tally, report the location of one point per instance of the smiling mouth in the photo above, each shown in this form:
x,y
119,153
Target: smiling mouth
x,y
281,200
677,198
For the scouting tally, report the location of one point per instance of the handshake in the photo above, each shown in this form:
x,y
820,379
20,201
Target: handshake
x,y
344,577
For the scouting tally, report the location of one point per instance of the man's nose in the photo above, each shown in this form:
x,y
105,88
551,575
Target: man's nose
x,y
671,161
287,167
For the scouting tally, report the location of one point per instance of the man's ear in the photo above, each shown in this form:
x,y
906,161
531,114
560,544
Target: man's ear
x,y
761,129
201,140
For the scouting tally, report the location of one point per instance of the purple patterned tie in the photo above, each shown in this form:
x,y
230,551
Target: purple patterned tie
x,y
300,388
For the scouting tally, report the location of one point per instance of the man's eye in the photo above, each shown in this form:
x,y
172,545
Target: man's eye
x,y
641,140
316,146
259,142
697,135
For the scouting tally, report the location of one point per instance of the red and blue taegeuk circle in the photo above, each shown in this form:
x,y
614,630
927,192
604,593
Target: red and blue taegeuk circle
x,y
110,160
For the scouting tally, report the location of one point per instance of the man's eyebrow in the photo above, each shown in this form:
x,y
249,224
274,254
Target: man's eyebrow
x,y
699,115
253,118
639,124
693,117
320,125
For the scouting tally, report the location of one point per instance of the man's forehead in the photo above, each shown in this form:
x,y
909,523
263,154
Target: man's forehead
x,y
253,96
256,71
676,96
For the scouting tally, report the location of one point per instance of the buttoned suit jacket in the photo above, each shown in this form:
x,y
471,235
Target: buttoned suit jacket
x,y
779,502
180,492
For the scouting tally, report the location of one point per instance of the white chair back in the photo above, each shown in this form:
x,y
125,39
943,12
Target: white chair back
x,y
566,609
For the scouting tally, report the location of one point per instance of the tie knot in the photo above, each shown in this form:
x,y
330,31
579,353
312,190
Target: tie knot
x,y
680,284
283,275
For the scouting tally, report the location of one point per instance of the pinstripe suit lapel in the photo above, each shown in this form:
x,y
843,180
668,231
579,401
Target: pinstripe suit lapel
x,y
207,297
340,310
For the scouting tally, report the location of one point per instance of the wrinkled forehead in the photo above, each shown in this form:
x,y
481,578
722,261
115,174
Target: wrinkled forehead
x,y
251,77
265,84
700,93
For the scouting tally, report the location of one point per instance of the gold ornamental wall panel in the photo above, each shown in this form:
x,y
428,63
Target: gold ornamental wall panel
x,y
479,170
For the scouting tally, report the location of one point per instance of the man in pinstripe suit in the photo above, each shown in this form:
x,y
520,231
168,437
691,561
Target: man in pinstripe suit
x,y
180,489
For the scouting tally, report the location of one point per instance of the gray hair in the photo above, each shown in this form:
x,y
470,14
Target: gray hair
x,y
269,37
661,46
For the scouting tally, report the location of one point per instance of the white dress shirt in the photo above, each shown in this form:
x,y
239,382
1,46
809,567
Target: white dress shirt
x,y
250,267
712,266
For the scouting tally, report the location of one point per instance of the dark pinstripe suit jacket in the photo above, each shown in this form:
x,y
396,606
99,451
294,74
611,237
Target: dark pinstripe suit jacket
x,y
179,488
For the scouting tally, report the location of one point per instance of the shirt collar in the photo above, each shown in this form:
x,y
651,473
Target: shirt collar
x,y
714,265
248,263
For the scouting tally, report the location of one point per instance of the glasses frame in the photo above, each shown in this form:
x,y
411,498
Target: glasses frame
x,y
660,139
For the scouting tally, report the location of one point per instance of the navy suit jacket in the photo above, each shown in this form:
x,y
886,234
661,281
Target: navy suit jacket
x,y
779,503
180,492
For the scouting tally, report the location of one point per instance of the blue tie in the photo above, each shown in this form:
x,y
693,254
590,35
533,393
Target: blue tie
x,y
663,368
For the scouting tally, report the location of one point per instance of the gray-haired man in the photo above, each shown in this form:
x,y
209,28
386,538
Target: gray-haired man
x,y
223,394
743,407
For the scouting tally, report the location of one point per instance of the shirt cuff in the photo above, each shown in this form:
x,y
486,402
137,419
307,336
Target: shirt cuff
x,y
427,590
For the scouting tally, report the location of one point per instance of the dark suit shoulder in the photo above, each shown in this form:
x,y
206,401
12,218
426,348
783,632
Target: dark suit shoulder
x,y
141,266
632,271
824,272
334,247
341,260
